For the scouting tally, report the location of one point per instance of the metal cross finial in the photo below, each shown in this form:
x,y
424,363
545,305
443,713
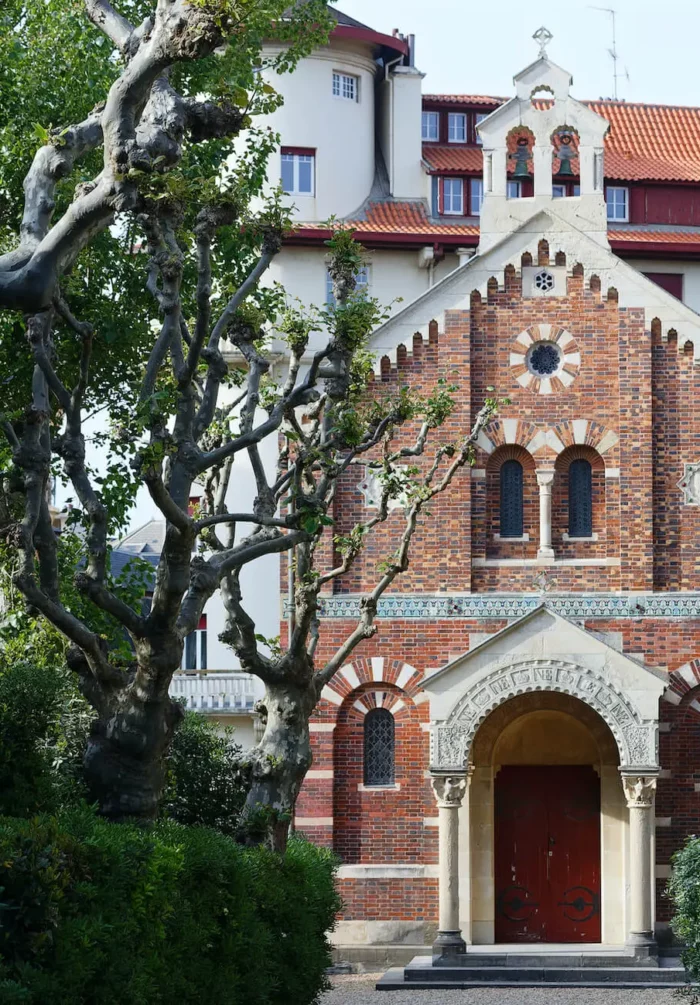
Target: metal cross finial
x,y
543,37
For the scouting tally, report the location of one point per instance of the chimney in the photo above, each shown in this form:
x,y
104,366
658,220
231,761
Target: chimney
x,y
411,50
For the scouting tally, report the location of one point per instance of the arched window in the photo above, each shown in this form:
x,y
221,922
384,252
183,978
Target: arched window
x,y
379,747
511,499
580,499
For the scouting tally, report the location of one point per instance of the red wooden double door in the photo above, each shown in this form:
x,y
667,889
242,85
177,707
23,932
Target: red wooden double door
x,y
547,854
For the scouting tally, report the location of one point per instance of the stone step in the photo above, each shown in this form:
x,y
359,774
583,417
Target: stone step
x,y
531,976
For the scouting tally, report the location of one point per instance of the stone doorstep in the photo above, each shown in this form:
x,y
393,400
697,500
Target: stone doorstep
x,y
532,976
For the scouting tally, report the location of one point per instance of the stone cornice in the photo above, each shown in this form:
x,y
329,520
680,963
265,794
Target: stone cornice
x,y
441,606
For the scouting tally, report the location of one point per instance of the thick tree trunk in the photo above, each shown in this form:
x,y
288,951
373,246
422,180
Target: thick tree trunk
x,y
124,761
279,764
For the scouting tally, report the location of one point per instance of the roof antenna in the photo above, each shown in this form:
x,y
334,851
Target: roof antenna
x,y
613,51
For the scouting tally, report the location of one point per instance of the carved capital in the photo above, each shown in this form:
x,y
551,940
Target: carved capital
x,y
449,790
639,790
545,477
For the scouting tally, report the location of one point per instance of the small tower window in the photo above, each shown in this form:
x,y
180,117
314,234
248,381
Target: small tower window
x,y
511,499
379,747
580,499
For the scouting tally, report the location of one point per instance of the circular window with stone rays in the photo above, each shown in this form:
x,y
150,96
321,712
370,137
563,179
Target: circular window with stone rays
x,y
545,359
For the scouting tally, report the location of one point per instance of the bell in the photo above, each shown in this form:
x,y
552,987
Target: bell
x,y
521,157
565,153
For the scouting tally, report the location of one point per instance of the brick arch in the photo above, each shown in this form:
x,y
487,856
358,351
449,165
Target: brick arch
x,y
560,502
682,681
578,452
548,443
531,512
510,452
370,670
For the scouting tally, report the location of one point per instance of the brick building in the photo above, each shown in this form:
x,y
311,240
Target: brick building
x,y
516,755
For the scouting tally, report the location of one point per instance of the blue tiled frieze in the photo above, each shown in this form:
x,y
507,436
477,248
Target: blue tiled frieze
x,y
512,605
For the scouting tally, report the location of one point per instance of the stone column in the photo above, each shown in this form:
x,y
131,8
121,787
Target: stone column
x,y
449,791
639,791
545,477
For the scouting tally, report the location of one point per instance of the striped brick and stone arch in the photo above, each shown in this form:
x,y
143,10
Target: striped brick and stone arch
x,y
551,441
682,681
545,359
368,671
545,443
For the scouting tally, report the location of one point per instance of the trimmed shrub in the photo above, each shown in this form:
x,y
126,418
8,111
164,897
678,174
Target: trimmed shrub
x,y
207,784
684,890
92,912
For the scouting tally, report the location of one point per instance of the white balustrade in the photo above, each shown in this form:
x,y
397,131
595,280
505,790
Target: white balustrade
x,y
214,692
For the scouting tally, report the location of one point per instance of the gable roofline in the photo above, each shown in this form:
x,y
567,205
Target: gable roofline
x,y
504,632
658,297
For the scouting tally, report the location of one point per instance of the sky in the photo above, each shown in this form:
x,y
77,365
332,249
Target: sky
x,y
472,47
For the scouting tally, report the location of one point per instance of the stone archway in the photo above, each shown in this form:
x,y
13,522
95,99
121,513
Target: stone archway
x,y
547,658
540,729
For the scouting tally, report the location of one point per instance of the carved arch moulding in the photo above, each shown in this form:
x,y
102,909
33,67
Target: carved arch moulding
x,y
451,741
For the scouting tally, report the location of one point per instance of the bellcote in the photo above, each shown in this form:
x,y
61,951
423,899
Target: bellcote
x,y
546,132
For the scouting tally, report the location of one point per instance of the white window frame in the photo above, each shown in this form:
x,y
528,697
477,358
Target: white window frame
x,y
346,86
476,195
460,191
514,189
201,655
362,282
452,118
616,190
479,117
296,160
430,117
559,188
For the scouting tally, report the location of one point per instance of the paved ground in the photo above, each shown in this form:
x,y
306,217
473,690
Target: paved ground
x,y
359,990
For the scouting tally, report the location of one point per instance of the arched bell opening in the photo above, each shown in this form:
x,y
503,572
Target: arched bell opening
x,y
520,143
547,826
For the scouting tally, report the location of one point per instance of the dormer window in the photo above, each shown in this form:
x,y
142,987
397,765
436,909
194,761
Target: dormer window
x,y
457,127
431,127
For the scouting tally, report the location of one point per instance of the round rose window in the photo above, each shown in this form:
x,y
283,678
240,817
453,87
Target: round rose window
x,y
544,358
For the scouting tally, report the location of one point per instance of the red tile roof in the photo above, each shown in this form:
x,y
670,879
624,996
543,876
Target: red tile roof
x,y
645,143
406,218
409,222
464,99
655,236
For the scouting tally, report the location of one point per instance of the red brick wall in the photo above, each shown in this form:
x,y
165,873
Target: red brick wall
x,y
630,383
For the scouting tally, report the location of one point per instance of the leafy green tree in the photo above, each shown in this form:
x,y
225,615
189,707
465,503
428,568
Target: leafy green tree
x,y
175,195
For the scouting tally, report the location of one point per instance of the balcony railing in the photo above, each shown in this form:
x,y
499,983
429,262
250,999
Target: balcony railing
x,y
214,692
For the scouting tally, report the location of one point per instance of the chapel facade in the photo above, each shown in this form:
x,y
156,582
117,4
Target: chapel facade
x,y
515,756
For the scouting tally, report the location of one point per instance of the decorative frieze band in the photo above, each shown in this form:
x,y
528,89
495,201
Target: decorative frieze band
x,y
505,605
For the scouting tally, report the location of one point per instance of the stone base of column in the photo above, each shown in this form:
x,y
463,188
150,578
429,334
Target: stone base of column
x,y
447,946
642,945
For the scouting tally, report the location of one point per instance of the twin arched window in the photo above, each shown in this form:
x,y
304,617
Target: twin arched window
x,y
580,499
379,747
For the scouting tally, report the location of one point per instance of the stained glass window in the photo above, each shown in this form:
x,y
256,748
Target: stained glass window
x,y
511,499
379,747
580,499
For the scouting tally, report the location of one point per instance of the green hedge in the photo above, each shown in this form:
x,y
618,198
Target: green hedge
x,y
684,890
93,912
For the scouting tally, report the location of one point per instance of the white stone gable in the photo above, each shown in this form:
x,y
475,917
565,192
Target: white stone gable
x,y
544,652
